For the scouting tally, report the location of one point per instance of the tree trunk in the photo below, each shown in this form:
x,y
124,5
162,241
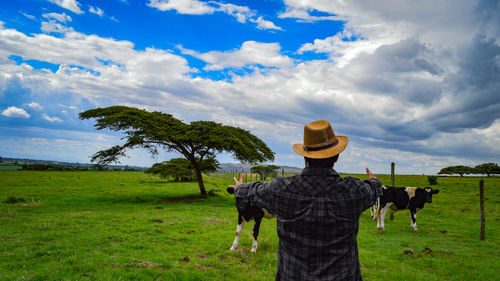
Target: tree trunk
x,y
199,177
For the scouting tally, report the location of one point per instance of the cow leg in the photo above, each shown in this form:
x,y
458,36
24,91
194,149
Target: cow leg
x,y
256,228
383,212
413,215
379,217
375,210
239,228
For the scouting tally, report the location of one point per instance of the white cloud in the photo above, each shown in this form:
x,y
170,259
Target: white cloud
x,y
55,27
241,13
35,106
63,18
191,7
303,15
250,53
56,23
96,11
71,5
15,112
68,106
195,7
429,20
264,24
31,17
51,119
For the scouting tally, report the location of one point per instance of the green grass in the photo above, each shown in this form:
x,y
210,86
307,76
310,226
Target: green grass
x,y
129,226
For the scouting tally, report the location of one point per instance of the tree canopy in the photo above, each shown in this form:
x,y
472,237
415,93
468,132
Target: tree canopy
x,y
264,171
460,170
157,130
488,169
485,168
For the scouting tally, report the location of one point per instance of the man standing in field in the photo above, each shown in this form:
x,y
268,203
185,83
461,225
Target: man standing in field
x,y
317,211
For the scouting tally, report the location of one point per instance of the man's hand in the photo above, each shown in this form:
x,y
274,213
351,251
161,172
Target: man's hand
x,y
237,182
372,176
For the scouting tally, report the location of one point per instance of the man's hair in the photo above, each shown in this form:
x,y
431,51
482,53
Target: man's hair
x,y
325,163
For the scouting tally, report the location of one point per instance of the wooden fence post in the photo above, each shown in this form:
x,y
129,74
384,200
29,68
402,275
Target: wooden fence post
x,y
392,173
282,172
391,217
481,209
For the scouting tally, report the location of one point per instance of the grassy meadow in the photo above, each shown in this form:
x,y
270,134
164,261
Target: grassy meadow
x,y
131,226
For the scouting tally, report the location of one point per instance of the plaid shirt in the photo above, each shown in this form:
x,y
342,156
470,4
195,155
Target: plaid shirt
x,y
317,218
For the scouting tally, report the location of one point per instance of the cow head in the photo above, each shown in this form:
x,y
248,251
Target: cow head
x,y
428,194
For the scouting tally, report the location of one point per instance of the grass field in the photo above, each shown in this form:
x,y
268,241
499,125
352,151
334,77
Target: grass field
x,y
130,226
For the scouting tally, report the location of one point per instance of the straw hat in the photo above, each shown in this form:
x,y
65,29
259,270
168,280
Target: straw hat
x,y
320,141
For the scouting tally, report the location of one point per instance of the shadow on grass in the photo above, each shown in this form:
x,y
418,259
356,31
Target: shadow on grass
x,y
162,200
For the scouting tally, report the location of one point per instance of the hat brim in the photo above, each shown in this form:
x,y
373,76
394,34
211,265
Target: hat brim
x,y
322,154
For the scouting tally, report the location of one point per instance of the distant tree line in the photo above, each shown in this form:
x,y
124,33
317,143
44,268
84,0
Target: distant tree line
x,y
51,167
485,168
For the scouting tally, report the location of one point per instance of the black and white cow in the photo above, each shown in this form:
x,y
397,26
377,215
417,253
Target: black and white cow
x,y
401,198
252,213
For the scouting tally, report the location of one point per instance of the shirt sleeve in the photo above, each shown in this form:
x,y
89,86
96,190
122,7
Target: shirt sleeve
x,y
255,194
373,190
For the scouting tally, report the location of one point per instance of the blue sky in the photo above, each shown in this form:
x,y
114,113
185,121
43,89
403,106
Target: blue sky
x,y
413,83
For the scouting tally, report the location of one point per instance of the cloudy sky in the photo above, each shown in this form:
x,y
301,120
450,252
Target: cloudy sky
x,y
411,82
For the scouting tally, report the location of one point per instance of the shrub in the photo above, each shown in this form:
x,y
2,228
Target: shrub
x,y
433,180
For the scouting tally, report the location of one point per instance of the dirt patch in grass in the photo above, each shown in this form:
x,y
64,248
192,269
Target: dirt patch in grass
x,y
408,251
426,252
200,267
204,256
157,221
148,264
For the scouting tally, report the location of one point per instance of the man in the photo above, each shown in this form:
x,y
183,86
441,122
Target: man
x,y
317,211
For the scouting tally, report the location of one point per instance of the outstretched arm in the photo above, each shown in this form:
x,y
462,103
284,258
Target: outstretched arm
x,y
373,188
254,194
231,188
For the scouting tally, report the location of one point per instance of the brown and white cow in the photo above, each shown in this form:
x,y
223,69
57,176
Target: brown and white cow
x,y
252,213
401,198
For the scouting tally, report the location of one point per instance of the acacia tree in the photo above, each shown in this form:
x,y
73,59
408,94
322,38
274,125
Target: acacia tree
x,y
461,170
157,130
488,169
264,171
